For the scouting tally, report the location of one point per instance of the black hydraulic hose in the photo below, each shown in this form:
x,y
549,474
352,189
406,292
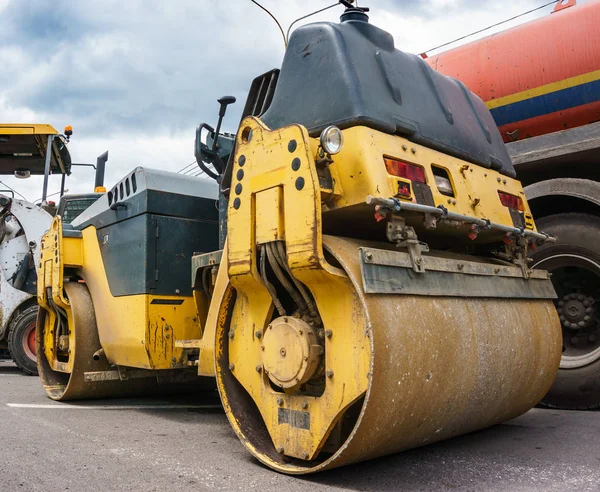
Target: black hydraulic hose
x,y
269,285
22,272
283,261
287,285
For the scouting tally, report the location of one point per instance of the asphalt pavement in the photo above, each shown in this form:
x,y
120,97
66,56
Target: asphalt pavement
x,y
184,443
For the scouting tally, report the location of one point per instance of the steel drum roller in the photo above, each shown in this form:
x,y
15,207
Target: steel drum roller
x,y
437,367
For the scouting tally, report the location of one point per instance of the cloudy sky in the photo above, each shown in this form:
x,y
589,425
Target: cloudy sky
x,y
135,77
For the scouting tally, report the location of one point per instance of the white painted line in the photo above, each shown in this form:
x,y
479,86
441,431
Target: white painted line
x,y
66,406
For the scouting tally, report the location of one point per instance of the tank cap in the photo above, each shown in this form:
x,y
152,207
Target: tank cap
x,y
354,13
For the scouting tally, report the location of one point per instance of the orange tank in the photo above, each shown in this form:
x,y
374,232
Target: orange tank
x,y
536,78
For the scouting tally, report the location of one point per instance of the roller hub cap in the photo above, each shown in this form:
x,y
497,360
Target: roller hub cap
x,y
291,354
577,311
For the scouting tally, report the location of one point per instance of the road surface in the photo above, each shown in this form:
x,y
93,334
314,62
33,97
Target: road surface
x,y
174,444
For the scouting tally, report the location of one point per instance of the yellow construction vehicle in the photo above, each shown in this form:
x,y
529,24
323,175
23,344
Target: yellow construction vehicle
x,y
28,149
363,287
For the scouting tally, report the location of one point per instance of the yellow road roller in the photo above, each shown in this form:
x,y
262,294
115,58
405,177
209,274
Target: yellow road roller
x,y
356,278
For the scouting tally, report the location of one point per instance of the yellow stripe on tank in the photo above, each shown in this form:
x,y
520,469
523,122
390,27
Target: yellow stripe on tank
x,y
544,89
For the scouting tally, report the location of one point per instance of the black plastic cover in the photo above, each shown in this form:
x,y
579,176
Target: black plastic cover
x,y
350,74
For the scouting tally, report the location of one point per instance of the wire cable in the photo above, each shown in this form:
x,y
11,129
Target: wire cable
x,y
287,35
492,26
273,17
13,190
193,163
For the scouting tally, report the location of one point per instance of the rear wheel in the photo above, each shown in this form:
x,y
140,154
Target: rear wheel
x,y
21,340
70,374
574,261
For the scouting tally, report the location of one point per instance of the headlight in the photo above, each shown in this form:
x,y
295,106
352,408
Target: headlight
x,y
332,140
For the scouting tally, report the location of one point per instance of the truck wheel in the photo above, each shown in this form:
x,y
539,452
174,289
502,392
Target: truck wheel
x,y
21,340
574,261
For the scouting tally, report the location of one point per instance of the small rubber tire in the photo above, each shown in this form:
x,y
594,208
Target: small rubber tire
x,y
18,329
575,233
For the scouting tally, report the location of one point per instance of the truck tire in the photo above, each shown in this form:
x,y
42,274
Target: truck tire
x,y
574,261
21,340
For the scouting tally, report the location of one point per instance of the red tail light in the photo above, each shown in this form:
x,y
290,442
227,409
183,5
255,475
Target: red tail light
x,y
405,170
511,201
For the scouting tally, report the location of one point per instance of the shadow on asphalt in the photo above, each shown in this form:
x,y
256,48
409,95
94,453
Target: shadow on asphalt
x,y
515,451
7,366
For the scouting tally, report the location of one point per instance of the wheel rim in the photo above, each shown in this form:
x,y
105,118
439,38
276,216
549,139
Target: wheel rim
x,y
29,341
576,280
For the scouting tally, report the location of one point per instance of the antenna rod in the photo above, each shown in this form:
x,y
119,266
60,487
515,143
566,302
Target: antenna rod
x,y
273,17
308,15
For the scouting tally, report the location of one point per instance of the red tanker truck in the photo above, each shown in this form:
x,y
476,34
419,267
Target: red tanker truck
x,y
541,81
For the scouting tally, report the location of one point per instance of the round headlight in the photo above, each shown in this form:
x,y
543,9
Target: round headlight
x,y
332,140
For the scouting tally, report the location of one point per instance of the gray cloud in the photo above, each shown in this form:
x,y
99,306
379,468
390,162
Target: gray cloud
x,y
136,76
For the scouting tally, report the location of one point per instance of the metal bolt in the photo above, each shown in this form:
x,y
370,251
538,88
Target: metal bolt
x,y
369,256
280,402
561,303
285,320
173,360
262,347
304,405
496,270
453,202
413,150
404,147
328,333
176,291
231,334
581,324
503,181
592,338
499,179
305,456
258,334
305,358
259,368
300,332
588,310
280,450
167,336
231,366
460,266
586,318
574,340
329,373
449,200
